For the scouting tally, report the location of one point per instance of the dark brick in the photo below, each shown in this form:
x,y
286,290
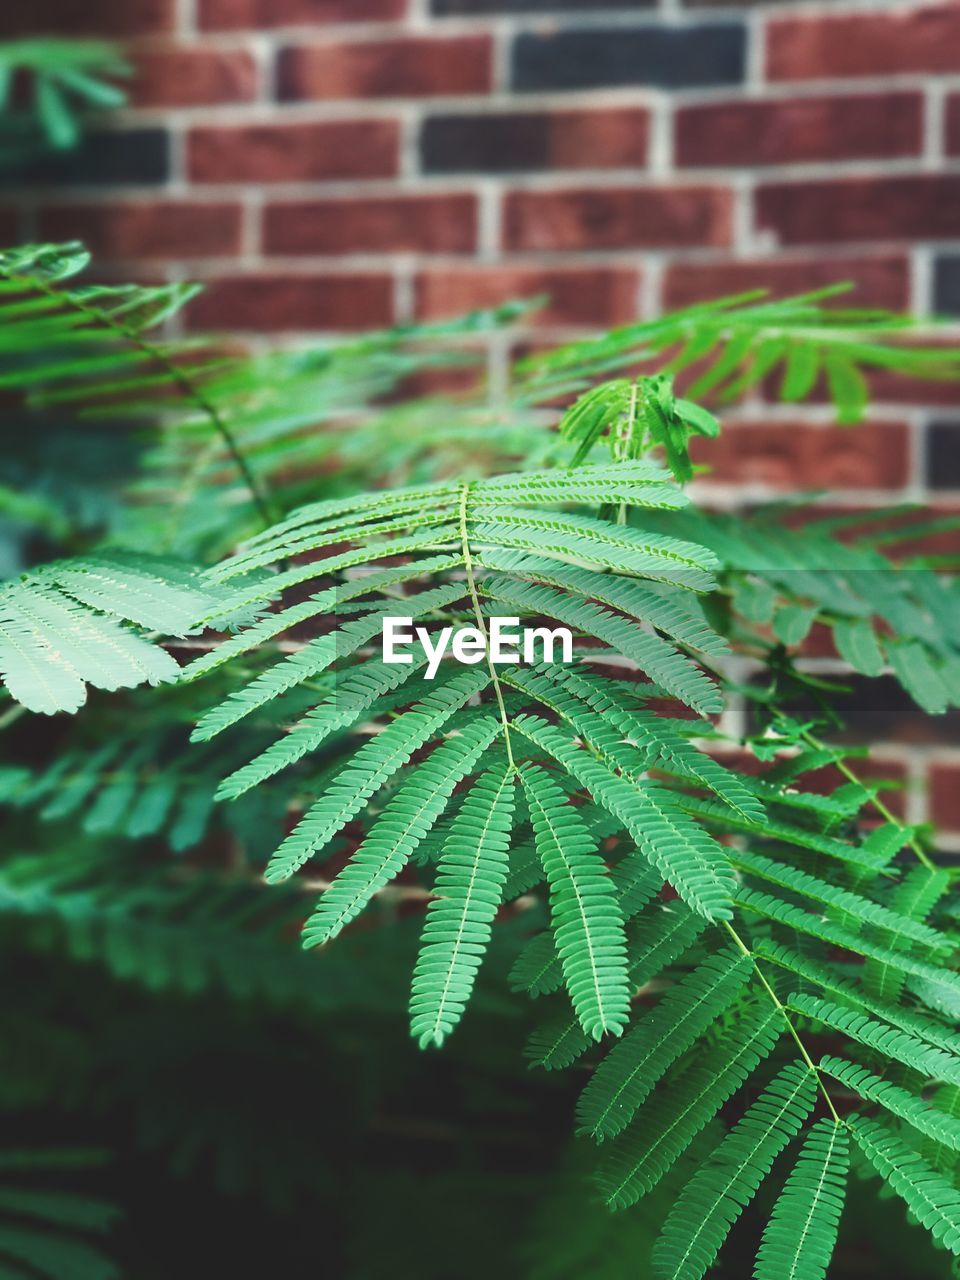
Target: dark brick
x,y
521,141
668,57
119,157
946,287
113,18
445,8
942,465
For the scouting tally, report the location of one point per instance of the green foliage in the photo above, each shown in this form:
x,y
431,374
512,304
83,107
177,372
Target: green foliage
x,y
43,1231
689,909
801,1233
62,79
717,1194
61,627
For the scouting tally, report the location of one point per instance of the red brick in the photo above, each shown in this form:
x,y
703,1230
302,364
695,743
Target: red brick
x,y
953,124
826,780
192,77
896,388
616,218
415,223
147,229
922,207
9,227
945,795
598,139
781,132
403,67
798,455
86,17
865,44
228,15
274,303
577,296
294,152
879,281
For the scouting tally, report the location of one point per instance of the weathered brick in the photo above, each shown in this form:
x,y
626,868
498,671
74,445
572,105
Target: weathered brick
x,y
799,455
402,67
577,296
448,7
616,218
294,152
184,77
664,56
887,387
9,227
229,15
415,223
783,132
922,206
952,124
114,157
944,785
865,44
271,303
526,140
89,18
825,781
879,281
946,286
942,455
135,230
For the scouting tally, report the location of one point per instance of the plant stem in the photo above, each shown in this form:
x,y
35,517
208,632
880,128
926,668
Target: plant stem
x,y
181,379
878,804
481,620
745,950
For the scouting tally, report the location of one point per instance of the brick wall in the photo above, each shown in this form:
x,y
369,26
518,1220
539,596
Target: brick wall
x,y
329,165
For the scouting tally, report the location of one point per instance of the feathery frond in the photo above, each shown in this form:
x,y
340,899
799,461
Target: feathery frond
x,y
799,1238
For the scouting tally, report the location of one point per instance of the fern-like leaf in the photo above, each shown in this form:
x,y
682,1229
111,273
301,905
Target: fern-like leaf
x,y
586,919
406,818
929,1195
799,1238
927,1119
469,885
630,1071
657,1136
717,1194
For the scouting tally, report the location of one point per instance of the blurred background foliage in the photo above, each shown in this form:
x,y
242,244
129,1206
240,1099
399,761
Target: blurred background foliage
x,y
175,1071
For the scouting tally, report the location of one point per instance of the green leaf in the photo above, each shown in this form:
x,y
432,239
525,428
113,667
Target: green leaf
x,y
931,1197
628,1074
469,888
585,916
799,1239
712,1201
